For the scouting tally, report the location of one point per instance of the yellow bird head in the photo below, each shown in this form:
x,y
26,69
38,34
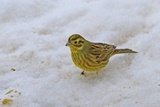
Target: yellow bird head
x,y
76,43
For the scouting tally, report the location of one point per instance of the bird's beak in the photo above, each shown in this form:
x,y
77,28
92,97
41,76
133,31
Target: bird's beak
x,y
67,44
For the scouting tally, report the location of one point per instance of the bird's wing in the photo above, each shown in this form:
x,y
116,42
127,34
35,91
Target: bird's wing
x,y
101,51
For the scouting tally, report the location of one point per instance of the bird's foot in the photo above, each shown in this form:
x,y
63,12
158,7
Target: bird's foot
x,y
83,73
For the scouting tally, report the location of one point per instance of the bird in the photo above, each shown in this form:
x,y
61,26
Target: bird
x,y
90,56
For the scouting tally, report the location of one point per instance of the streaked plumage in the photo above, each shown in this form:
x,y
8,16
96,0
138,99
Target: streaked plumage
x,y
91,56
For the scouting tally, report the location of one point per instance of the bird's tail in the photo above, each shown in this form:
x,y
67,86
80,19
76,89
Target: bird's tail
x,y
122,51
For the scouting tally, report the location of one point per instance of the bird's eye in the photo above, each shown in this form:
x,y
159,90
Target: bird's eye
x,y
75,42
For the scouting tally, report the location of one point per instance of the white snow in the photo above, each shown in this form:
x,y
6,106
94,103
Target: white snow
x,y
33,34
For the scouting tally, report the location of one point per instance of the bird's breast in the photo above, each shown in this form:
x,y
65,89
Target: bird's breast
x,y
87,62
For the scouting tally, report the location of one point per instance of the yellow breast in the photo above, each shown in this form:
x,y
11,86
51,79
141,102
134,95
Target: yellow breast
x,y
88,62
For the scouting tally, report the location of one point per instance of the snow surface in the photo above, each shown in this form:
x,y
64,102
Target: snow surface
x,y
35,61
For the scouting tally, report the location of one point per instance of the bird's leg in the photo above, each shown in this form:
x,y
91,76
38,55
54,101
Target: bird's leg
x,y
97,73
82,73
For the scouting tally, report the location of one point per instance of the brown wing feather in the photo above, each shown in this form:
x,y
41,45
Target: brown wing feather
x,y
101,51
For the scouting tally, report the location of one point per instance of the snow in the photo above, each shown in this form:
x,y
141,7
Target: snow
x,y
36,62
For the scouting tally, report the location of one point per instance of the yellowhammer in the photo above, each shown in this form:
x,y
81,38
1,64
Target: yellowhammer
x,y
91,56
